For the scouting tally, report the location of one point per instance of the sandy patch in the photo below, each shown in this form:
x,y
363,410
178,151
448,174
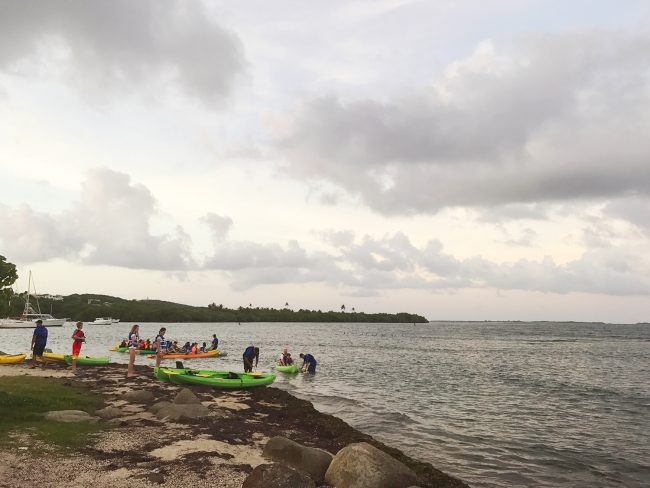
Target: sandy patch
x,y
230,403
19,370
237,454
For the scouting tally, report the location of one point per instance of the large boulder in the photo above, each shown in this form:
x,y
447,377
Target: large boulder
x,y
364,466
186,397
70,416
138,396
309,460
176,412
277,476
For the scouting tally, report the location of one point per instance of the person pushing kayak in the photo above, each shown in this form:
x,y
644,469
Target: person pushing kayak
x,y
251,353
78,338
309,363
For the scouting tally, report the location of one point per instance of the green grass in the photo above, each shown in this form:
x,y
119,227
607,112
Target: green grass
x,y
24,400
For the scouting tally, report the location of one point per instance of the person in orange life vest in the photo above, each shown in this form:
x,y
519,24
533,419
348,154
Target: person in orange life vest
x,y
78,338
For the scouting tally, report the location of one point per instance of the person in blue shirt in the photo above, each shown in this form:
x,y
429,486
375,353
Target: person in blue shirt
x,y
39,341
309,363
251,353
215,342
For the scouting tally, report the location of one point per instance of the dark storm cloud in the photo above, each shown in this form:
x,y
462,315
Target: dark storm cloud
x,y
565,117
122,43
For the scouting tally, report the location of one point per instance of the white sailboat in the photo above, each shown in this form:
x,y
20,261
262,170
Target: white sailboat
x,y
30,315
102,321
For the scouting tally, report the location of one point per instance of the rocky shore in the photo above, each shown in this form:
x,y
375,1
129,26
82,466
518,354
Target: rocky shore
x,y
162,434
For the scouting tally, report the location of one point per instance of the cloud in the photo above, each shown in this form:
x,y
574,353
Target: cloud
x,y
110,225
562,117
121,44
634,209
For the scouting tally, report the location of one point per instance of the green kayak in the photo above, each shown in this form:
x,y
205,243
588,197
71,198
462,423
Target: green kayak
x,y
221,380
291,369
139,351
89,361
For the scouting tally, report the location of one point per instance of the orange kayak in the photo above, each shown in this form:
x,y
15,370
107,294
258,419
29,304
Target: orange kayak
x,y
210,354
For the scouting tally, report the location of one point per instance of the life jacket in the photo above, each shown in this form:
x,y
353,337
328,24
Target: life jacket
x,y
134,340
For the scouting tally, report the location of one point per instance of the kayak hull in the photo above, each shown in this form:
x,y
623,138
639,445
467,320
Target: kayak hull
x,y
12,358
220,380
88,361
52,356
291,369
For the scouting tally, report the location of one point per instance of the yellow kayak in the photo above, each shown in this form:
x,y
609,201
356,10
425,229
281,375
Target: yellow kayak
x,y
12,358
52,356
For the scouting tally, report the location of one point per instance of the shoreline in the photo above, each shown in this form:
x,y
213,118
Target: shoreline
x,y
219,450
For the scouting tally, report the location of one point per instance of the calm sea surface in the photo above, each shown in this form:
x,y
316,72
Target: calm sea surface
x,y
496,404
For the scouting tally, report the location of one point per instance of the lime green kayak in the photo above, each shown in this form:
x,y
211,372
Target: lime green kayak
x,y
221,380
291,369
139,351
88,361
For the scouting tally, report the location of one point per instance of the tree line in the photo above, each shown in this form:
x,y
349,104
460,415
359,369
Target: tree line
x,y
86,307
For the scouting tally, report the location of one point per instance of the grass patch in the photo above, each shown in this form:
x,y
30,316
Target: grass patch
x,y
24,400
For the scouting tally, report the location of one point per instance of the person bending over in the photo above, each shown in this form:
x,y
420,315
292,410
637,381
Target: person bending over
x,y
309,363
251,353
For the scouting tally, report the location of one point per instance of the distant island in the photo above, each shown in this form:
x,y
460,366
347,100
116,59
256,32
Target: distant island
x,y
86,307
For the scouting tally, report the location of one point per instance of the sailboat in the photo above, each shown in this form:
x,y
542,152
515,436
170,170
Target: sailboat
x,y
31,315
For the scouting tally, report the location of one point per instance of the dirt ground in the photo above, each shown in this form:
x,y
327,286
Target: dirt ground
x,y
140,450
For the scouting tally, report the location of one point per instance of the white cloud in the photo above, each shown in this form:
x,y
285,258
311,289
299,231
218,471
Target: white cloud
x,y
110,225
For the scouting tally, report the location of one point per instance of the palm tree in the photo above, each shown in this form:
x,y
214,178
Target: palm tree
x,y
343,308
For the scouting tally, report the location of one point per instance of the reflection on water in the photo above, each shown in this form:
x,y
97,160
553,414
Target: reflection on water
x,y
497,404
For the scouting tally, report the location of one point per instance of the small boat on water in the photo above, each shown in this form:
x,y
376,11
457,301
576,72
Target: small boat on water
x,y
290,369
30,315
220,380
102,321
210,354
139,351
116,321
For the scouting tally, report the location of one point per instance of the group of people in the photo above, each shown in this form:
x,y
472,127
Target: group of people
x,y
161,346
253,353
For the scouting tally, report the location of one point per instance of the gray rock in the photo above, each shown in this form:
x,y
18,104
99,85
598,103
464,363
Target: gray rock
x,y
157,406
277,476
70,416
138,396
185,397
109,413
175,412
309,460
364,466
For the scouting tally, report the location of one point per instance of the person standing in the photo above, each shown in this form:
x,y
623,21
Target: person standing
x,y
39,341
251,353
215,342
134,341
78,338
161,346
308,363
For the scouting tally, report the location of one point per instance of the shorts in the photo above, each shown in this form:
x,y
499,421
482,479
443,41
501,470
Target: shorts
x,y
76,348
38,349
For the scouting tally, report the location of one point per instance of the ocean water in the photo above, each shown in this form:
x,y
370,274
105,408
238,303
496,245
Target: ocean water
x,y
496,403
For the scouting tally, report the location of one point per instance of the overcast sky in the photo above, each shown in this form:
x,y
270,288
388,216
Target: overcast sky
x,y
468,160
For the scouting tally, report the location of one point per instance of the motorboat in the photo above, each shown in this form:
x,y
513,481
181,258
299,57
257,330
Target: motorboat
x,y
116,321
102,321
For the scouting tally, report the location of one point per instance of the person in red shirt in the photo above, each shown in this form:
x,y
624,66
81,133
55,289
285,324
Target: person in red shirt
x,y
78,338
